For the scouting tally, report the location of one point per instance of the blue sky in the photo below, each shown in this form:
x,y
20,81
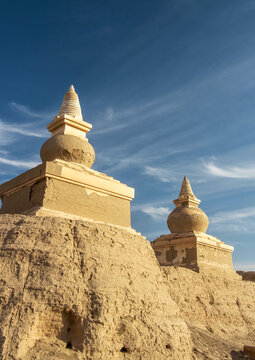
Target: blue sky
x,y
169,87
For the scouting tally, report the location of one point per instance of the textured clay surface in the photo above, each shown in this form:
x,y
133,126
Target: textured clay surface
x,y
80,290
184,219
68,148
220,312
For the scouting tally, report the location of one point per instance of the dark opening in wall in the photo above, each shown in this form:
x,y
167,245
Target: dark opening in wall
x,y
69,345
124,349
72,332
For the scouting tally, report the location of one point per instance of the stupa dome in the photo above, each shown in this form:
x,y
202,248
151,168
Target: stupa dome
x,y
68,148
187,216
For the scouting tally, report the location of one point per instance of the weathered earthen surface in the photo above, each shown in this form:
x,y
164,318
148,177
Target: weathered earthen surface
x,y
51,187
219,311
184,219
197,251
56,195
80,290
68,148
208,346
224,308
89,204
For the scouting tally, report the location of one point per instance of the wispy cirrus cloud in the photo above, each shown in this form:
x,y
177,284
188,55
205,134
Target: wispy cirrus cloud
x,y
168,115
158,210
19,163
112,120
176,172
207,187
3,152
230,171
26,110
209,87
231,216
239,221
157,213
179,114
27,129
164,175
10,131
123,155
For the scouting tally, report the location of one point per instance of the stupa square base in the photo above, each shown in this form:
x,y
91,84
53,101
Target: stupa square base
x,y
68,189
197,251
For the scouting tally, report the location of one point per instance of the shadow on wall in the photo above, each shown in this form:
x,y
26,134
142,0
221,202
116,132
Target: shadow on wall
x,y
72,331
2,340
238,355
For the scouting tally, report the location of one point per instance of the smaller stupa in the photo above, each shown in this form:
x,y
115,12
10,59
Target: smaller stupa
x,y
188,245
187,216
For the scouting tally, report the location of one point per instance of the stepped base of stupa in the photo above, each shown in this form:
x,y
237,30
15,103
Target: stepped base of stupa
x,y
60,188
196,251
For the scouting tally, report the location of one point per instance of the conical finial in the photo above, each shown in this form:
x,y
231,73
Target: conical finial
x,y
69,119
186,195
68,141
186,187
187,216
71,105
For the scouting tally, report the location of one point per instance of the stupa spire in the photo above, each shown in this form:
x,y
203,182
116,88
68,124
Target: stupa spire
x,y
186,195
69,119
68,141
71,104
186,188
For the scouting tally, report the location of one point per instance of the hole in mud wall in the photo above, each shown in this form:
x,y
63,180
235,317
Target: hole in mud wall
x,y
72,333
69,345
124,349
